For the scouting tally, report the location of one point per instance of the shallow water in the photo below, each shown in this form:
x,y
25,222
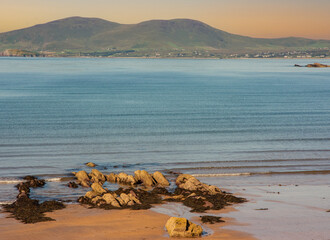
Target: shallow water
x,y
202,117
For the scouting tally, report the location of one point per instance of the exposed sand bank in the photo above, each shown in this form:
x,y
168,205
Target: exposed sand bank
x,y
78,222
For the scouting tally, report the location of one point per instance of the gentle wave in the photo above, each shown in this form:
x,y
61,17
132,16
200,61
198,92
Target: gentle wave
x,y
10,181
5,202
242,167
260,173
221,174
15,181
251,161
40,144
58,179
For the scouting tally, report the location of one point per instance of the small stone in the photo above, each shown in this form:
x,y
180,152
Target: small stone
x,y
90,164
72,185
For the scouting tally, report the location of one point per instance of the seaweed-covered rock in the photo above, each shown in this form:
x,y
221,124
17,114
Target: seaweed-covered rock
x,y
188,182
210,219
182,227
72,185
160,179
29,210
200,201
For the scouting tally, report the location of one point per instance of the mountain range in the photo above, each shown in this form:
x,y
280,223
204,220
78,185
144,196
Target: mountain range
x,y
94,34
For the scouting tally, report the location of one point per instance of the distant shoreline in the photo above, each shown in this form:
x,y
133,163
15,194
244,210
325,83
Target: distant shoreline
x,y
174,58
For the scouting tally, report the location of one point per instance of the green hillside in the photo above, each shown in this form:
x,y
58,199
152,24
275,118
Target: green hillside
x,y
92,34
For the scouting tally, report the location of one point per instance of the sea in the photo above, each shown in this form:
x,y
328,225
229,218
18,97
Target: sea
x,y
236,120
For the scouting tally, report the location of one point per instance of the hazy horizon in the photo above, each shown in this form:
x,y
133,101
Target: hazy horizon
x,y
255,18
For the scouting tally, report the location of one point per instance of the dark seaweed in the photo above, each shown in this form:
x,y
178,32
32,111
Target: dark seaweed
x,y
29,210
210,219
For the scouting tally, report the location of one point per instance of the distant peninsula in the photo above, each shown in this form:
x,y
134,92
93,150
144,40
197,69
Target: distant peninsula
x,y
178,38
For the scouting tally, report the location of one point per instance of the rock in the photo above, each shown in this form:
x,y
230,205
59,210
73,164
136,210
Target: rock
x,y
121,201
125,198
97,176
112,178
144,177
90,164
110,199
317,65
210,219
98,188
72,185
181,227
96,199
213,189
160,179
130,203
297,65
126,179
82,176
188,182
91,194
134,199
85,183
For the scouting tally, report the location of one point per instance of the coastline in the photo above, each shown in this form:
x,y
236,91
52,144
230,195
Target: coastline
x,y
295,211
78,222
172,58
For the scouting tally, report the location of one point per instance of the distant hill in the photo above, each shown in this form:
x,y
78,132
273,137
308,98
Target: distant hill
x,y
93,34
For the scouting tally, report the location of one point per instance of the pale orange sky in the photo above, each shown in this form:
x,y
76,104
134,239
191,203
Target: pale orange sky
x,y
256,18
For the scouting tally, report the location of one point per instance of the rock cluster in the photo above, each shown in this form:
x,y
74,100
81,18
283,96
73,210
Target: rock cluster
x,y
190,191
200,196
121,198
140,177
190,183
182,227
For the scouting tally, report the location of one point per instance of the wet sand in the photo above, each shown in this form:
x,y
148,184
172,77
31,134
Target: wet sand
x,y
78,222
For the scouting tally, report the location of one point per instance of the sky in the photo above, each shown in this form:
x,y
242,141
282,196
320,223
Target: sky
x,y
255,18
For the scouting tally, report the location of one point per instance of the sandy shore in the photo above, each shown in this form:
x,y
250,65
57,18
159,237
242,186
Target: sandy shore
x,y
78,222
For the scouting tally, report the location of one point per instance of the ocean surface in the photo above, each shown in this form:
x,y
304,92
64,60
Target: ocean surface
x,y
229,119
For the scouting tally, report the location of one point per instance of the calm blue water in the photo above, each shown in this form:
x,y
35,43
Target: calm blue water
x,y
193,116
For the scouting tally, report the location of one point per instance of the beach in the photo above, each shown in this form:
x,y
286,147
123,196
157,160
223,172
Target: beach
x,y
78,222
274,211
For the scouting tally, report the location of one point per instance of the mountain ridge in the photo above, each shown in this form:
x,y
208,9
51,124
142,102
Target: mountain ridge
x,y
96,34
